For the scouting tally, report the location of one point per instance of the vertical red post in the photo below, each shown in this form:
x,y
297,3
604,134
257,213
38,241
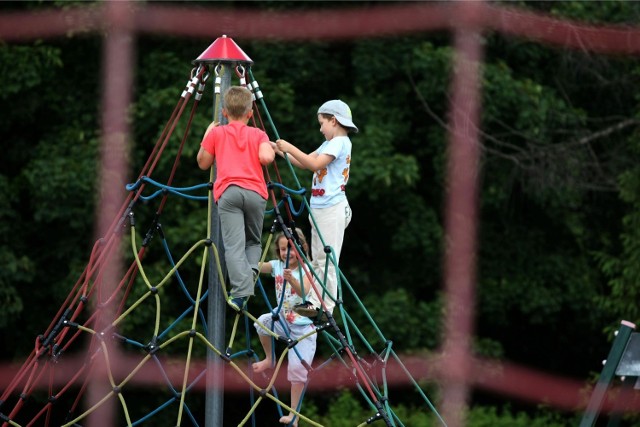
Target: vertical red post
x,y
116,98
461,214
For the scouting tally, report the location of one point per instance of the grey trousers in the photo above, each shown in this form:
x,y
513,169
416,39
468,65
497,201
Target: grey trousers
x,y
241,214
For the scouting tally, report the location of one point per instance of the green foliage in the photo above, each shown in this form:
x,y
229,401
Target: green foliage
x,y
61,174
15,270
395,169
620,263
346,410
20,74
614,12
559,197
495,417
343,411
409,323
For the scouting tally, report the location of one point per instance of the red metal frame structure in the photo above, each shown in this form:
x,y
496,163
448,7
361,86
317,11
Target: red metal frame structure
x,y
122,21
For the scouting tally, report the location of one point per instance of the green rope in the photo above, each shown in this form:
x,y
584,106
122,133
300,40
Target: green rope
x,y
376,398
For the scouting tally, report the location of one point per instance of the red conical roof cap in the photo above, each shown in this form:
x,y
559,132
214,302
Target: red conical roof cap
x,y
223,49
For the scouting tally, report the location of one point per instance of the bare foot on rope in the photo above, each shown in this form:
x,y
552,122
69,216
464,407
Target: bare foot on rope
x,y
261,366
287,419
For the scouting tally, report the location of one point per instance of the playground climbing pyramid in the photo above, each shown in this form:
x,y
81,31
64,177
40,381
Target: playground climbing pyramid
x,y
156,329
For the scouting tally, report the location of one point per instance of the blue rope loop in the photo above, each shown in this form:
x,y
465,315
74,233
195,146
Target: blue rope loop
x,y
164,189
286,198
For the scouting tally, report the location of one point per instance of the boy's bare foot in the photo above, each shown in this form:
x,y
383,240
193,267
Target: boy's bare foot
x,y
287,419
261,366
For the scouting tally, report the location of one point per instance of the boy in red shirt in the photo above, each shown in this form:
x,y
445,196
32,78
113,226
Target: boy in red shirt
x,y
240,190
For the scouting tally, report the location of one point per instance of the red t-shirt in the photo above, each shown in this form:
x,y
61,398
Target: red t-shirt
x,y
235,148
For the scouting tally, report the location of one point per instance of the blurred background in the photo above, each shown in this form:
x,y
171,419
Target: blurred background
x,y
558,245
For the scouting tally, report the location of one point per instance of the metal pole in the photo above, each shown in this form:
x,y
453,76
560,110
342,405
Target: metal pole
x,y
606,376
214,409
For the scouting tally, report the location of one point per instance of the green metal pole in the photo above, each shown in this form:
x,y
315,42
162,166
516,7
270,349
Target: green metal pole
x,y
627,389
609,370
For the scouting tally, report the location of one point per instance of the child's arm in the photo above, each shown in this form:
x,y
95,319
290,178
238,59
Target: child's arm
x,y
266,267
293,161
266,153
211,126
205,159
313,161
295,283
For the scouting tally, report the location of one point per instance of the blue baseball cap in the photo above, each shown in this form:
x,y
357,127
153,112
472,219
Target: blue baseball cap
x,y
340,111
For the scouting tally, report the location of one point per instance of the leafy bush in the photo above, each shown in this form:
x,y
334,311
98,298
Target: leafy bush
x,y
345,410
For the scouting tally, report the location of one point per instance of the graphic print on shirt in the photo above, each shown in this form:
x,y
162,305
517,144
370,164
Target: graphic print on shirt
x,y
328,185
279,279
345,171
290,299
319,175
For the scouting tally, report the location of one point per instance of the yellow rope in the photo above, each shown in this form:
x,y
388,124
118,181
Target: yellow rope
x,y
193,333
193,328
161,284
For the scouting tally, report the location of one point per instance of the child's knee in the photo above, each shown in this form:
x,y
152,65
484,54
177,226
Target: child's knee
x,y
296,373
262,323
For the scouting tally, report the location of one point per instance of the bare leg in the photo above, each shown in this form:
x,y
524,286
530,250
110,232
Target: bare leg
x,y
265,364
296,392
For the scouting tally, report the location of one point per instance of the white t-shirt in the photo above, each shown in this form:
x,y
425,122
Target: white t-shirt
x,y
328,184
291,298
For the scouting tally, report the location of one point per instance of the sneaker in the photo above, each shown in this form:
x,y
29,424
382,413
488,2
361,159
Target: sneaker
x,y
308,310
237,303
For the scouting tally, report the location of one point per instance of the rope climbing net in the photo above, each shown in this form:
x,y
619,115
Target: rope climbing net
x,y
126,331
56,374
